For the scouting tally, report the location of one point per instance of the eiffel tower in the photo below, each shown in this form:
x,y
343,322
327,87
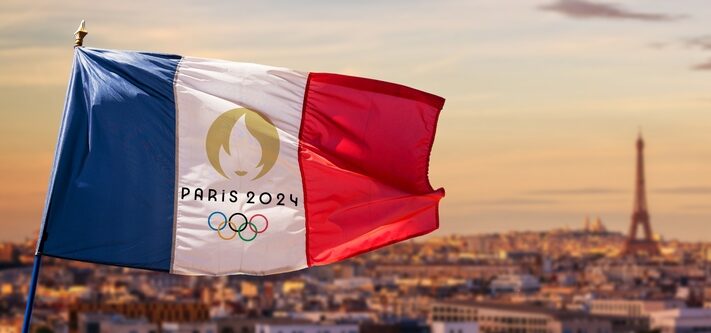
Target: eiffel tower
x,y
646,246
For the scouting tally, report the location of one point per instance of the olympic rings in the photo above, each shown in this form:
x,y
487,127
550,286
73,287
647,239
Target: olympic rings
x,y
219,233
238,229
209,218
242,226
251,224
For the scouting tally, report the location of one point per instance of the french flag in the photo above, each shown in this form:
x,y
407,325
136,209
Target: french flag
x,y
207,167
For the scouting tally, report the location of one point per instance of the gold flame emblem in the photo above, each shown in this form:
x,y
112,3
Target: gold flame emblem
x,y
258,125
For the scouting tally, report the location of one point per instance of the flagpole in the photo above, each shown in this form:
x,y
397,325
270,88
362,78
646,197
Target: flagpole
x,y
31,293
78,42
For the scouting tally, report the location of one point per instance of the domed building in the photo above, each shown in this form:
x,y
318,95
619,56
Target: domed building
x,y
596,227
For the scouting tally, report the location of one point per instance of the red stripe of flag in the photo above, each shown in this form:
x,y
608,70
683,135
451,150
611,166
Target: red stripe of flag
x,y
364,150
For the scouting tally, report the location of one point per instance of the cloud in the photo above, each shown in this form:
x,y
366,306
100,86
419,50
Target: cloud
x,y
699,42
703,190
582,9
576,191
704,66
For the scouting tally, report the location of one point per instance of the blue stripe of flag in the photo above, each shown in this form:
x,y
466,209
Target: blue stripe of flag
x,y
111,199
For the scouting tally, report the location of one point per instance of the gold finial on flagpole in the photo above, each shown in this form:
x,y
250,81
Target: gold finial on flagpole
x,y
79,34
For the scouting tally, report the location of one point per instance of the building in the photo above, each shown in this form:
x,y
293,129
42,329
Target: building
x,y
196,327
454,327
104,323
305,328
454,271
630,315
154,312
242,324
596,227
682,321
334,316
632,308
519,318
407,326
520,283
8,253
11,324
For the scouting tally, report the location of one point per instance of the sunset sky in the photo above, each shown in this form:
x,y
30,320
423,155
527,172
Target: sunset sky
x,y
544,97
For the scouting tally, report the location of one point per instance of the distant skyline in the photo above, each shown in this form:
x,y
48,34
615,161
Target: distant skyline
x,y
544,97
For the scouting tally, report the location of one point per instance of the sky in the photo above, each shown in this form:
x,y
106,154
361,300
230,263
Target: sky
x,y
545,98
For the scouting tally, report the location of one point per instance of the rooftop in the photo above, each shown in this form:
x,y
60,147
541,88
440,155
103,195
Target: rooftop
x,y
525,308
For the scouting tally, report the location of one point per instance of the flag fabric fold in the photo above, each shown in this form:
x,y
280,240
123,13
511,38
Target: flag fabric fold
x,y
207,167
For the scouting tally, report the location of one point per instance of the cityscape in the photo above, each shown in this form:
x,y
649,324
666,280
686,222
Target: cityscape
x,y
582,279
573,145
